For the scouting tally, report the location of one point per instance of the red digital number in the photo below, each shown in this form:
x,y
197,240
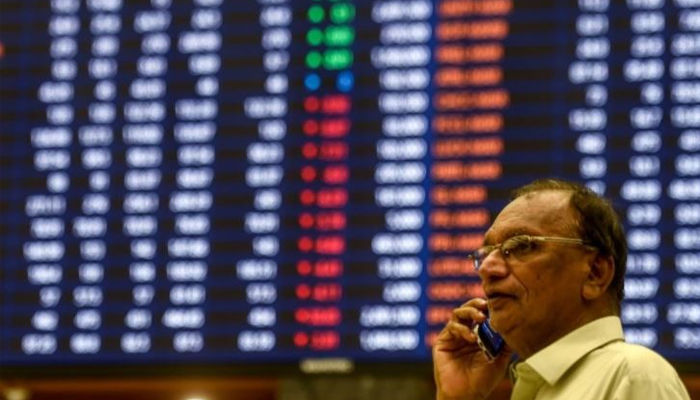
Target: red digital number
x,y
332,151
330,220
330,245
325,340
335,127
332,198
318,316
336,104
328,268
336,174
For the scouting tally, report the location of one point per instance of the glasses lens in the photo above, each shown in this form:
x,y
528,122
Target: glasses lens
x,y
478,256
477,263
517,246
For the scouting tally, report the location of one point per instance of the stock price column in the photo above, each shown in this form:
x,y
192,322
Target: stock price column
x,y
391,322
44,249
254,328
643,73
469,102
324,176
683,188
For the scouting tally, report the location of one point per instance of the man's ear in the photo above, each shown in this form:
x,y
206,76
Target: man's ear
x,y
600,274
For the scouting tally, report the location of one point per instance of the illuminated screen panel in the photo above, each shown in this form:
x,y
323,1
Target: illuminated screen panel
x,y
251,182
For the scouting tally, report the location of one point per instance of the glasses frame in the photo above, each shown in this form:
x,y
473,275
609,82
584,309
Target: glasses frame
x,y
479,255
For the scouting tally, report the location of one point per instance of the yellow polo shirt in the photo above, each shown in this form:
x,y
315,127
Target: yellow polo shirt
x,y
594,363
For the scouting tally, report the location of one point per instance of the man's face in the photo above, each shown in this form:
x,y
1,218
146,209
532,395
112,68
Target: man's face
x,y
536,297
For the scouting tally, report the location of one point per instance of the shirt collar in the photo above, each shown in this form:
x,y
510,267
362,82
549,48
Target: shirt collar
x,y
552,362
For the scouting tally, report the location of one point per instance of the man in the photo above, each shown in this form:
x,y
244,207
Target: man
x,y
552,268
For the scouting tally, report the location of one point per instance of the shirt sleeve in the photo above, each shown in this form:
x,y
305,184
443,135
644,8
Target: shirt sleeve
x,y
651,388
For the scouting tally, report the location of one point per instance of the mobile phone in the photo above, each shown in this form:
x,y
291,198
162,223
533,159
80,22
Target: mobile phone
x,y
488,340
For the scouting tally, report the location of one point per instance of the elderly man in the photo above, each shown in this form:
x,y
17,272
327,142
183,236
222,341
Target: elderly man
x,y
552,267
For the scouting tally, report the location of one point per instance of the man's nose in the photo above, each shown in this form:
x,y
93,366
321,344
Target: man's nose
x,y
493,266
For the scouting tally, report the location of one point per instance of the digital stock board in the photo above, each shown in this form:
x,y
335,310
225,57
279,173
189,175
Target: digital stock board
x,y
268,181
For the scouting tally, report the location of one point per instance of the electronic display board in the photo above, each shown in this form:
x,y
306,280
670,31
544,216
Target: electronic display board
x,y
269,181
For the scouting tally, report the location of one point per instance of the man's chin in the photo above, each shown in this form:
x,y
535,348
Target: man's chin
x,y
496,323
500,319
500,305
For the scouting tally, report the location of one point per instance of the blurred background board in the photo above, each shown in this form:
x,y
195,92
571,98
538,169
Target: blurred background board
x,y
277,187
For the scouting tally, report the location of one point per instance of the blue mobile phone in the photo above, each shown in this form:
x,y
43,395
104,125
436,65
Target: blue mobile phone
x,y
488,340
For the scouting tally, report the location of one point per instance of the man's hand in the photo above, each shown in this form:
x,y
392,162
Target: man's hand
x,y
462,370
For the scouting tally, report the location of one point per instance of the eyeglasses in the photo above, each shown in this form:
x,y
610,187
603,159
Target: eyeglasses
x,y
519,246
